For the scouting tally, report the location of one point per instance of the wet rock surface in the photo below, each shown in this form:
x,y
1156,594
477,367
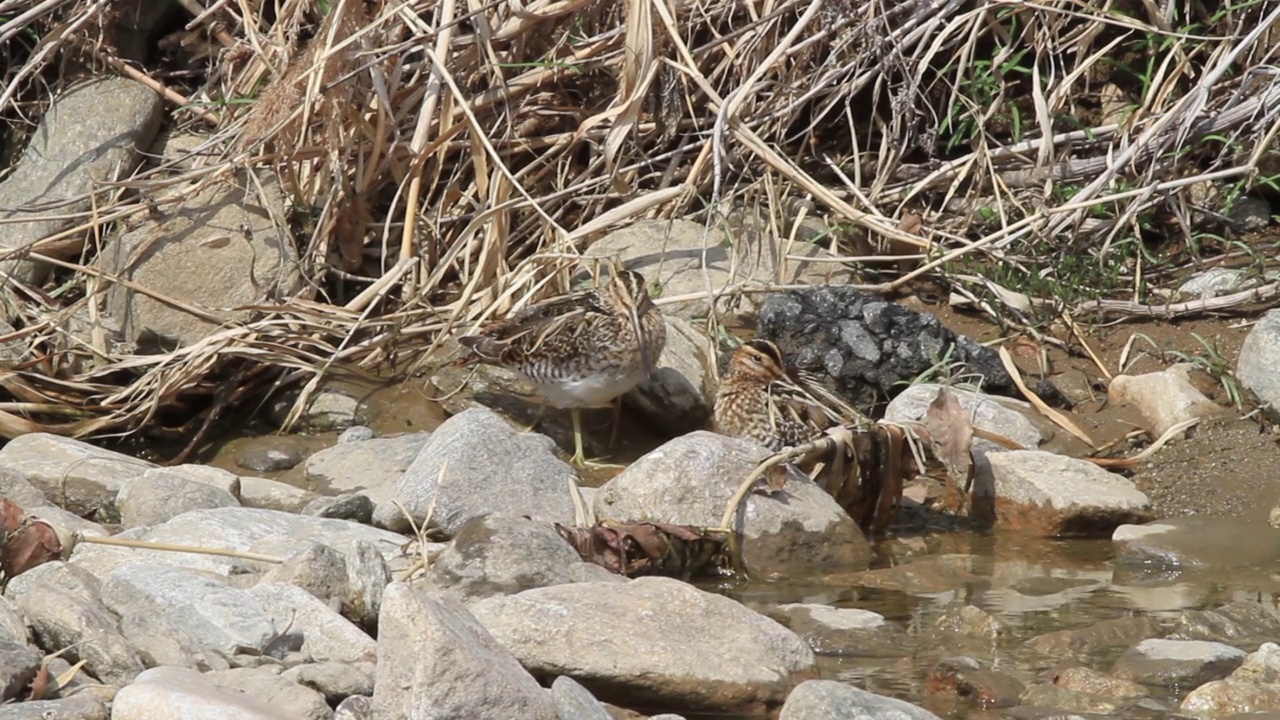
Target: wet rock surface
x,y
1196,542
823,699
843,631
1184,663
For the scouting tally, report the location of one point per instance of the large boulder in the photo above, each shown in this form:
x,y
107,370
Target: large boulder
x,y
799,530
653,641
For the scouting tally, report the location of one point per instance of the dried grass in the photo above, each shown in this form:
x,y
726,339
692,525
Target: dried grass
x,y
455,158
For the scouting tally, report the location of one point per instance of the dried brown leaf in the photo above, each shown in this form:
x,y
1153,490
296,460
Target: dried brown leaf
x,y
40,683
952,434
35,543
645,548
10,514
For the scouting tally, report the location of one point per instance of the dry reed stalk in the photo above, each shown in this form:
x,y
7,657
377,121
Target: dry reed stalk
x,y
457,158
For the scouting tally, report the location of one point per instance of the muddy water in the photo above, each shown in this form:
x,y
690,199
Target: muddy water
x,y
1033,585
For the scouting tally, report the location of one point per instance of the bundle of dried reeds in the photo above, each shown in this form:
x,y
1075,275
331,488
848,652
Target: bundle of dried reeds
x,y
452,159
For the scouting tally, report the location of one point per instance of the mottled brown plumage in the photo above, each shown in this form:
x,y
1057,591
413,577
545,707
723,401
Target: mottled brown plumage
x,y
760,398
581,349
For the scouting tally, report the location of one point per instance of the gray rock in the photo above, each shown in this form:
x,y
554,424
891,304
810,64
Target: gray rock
x,y
433,653
207,474
170,692
1216,282
963,625
75,475
157,496
1097,684
1243,623
1258,365
232,529
19,664
1095,638
317,569
574,702
352,506
1250,213
831,700
13,628
225,620
356,707
965,678
334,680
224,246
63,575
256,492
65,611
604,636
1253,687
368,575
689,481
266,684
328,408
1080,704
325,634
1233,700
1196,542
1163,398
670,254
66,524
92,134
844,631
1005,416
1057,496
79,707
268,459
674,398
331,410
358,433
503,554
14,485
1177,663
161,640
488,467
353,466
925,575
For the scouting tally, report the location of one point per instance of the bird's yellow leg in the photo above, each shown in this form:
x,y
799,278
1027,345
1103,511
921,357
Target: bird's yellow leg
x,y
579,455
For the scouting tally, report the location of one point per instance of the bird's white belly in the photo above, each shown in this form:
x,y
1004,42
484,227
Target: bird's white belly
x,y
591,389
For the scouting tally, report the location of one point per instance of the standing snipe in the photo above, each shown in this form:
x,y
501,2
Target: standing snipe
x,y
581,349
761,399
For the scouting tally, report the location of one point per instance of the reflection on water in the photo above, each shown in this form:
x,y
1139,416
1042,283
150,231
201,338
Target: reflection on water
x,y
1033,585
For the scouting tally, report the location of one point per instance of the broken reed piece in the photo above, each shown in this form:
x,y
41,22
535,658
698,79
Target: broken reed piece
x,y
78,538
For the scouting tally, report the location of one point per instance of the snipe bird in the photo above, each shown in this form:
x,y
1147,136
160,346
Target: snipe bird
x,y
581,349
761,398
